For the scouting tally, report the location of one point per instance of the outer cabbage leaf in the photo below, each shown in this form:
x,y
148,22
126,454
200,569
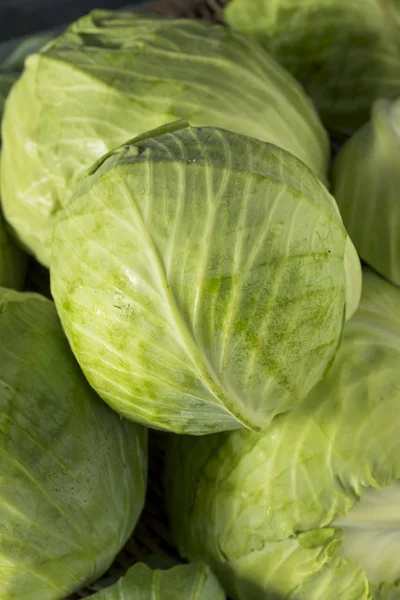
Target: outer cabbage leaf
x,y
308,509
345,52
118,75
182,582
201,278
366,181
73,474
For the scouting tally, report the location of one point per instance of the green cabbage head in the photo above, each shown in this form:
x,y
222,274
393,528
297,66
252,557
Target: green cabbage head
x,y
366,182
203,278
309,509
73,474
346,53
182,582
112,76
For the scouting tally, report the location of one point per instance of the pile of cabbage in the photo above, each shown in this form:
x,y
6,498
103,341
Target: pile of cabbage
x,y
216,360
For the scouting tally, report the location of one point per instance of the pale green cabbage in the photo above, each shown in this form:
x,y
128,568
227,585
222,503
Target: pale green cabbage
x,y
73,474
182,582
310,509
366,182
112,76
203,278
346,53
